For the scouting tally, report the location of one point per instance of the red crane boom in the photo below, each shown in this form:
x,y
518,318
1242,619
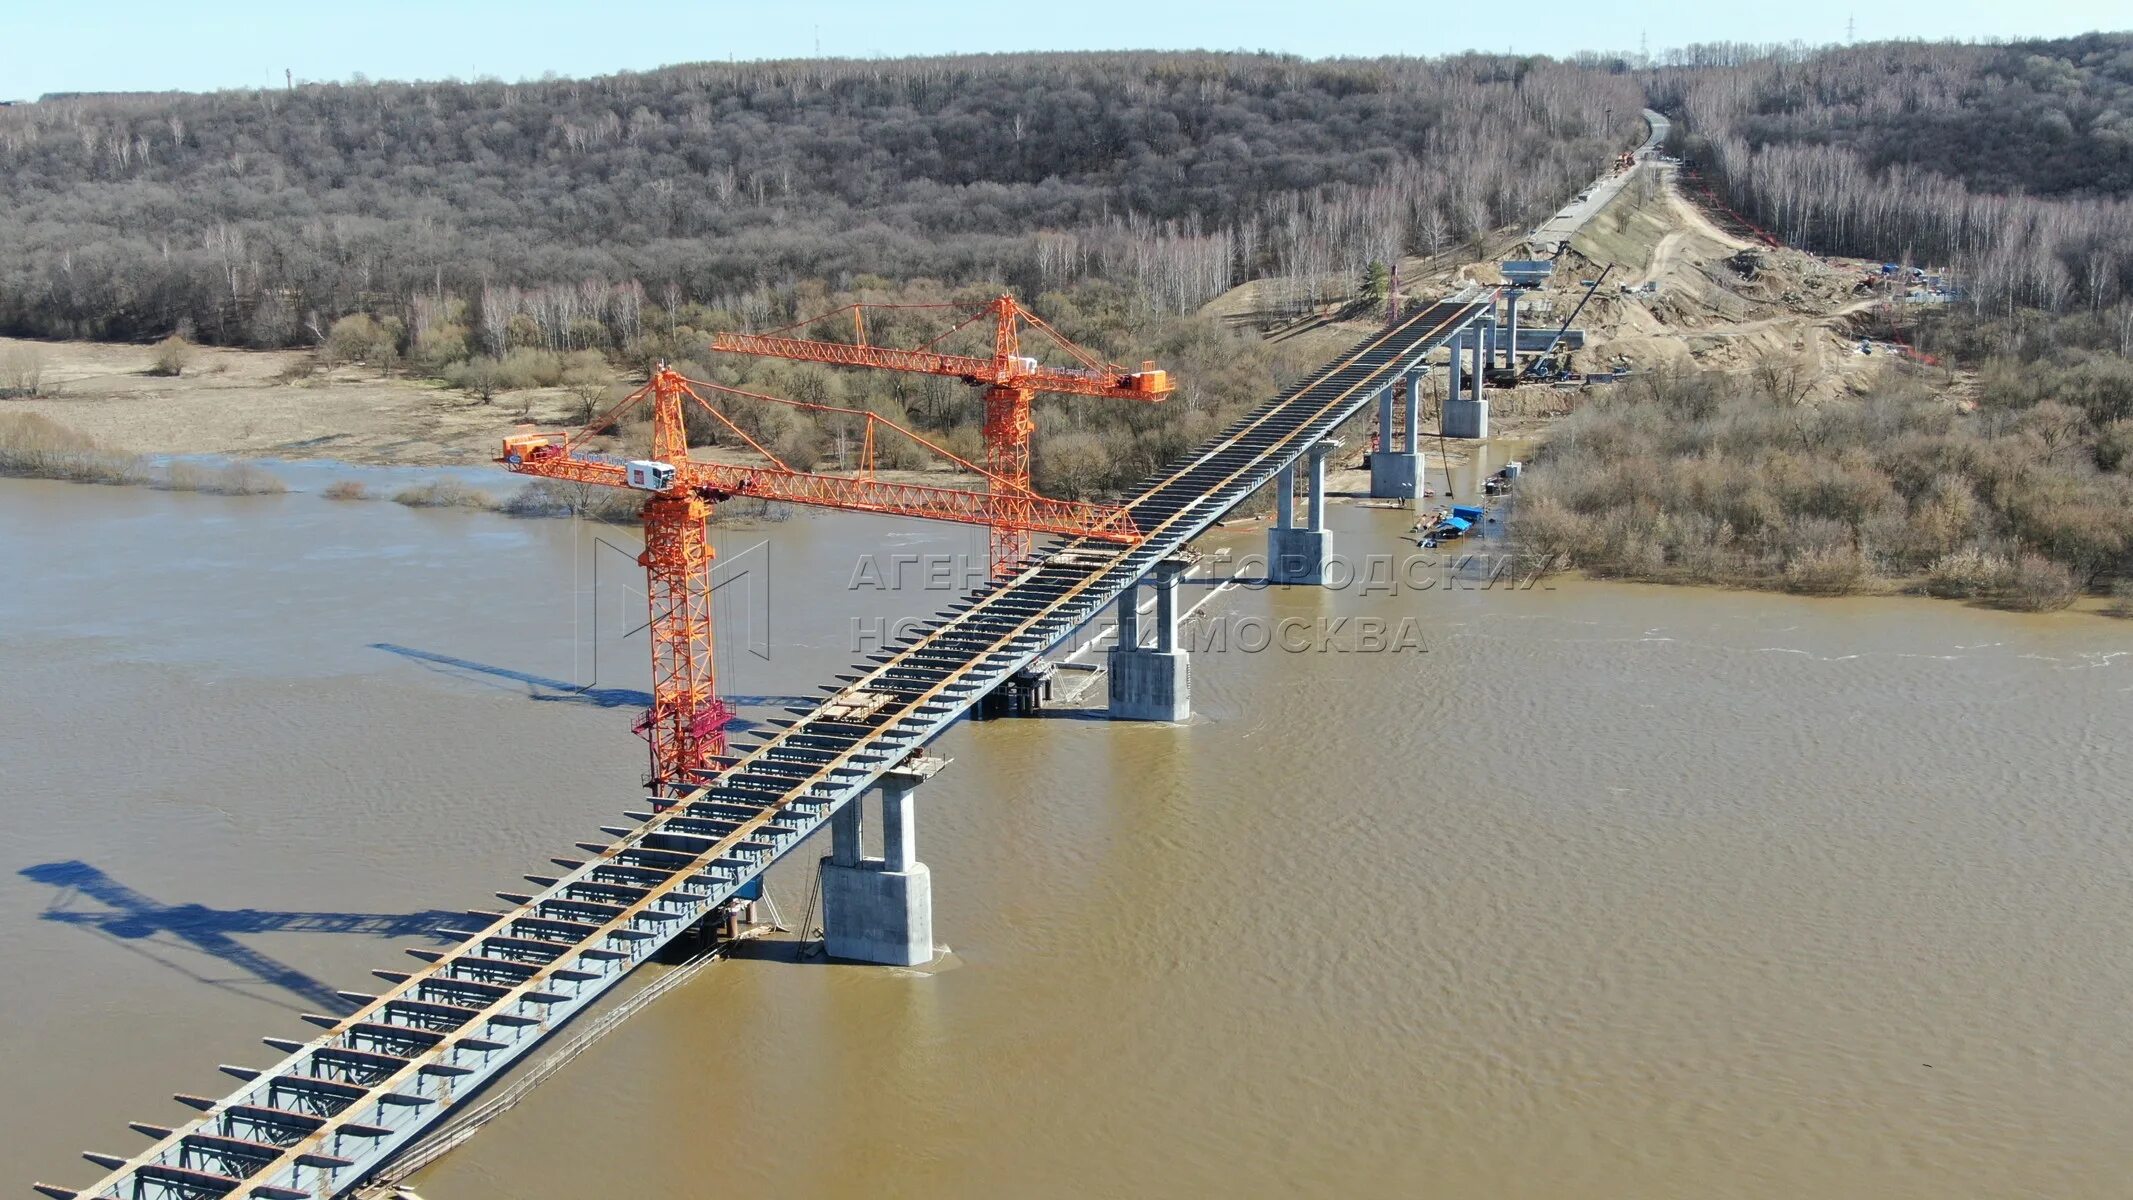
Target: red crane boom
x,y
1011,381
686,723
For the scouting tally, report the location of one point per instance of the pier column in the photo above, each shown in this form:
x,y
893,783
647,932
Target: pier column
x,y
1153,683
899,824
1510,345
1299,555
880,910
1285,497
1166,606
1129,615
1411,424
1317,455
844,835
1466,418
1395,469
1480,362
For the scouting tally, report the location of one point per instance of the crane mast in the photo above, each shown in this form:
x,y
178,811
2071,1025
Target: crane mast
x,y
1008,426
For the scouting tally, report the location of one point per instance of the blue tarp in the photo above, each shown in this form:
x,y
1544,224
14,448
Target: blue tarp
x,y
1453,526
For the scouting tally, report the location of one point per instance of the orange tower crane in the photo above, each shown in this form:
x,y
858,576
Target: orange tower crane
x,y
686,723
1011,381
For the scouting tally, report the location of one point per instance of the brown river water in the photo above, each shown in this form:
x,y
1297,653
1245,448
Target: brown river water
x,y
1597,891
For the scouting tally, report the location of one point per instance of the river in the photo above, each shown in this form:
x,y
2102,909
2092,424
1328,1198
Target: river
x,y
1594,890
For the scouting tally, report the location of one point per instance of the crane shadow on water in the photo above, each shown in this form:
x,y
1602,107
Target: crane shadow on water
x,y
91,899
536,687
544,688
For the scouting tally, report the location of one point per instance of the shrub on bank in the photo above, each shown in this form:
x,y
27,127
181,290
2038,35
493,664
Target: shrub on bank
x,y
444,493
478,377
560,498
2039,585
36,447
346,489
528,368
21,370
234,479
1828,571
1969,574
33,446
173,354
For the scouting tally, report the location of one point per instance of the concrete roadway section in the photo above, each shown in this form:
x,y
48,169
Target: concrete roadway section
x,y
1555,233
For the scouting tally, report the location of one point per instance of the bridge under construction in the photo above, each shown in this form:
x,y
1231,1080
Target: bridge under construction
x,y
332,1111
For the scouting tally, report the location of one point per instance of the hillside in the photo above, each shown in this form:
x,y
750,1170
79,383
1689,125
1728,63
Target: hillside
x,y
259,217
2011,163
1757,445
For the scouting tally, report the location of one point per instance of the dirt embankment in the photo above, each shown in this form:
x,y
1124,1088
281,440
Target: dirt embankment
x,y
1684,293
1681,293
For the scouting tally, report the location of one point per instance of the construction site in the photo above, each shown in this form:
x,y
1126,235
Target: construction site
x,y
1147,867
717,814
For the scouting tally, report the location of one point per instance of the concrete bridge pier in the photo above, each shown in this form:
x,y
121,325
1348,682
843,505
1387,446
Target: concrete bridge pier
x,y
1510,341
880,910
1298,555
1396,465
1468,418
1151,683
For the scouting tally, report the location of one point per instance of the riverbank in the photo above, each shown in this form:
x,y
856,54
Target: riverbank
x,y
1692,478
35,447
271,404
1758,443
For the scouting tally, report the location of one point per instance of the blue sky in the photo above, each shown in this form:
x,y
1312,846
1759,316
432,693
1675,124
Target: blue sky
x,y
86,45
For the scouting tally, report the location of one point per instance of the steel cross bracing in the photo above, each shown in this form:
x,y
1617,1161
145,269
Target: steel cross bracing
x,y
336,1108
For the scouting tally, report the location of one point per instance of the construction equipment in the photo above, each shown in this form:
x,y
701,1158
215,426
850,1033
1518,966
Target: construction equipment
x,y
1010,378
1546,364
685,725
1747,264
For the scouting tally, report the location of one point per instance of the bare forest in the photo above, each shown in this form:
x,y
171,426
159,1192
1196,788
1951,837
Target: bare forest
x,y
2011,164
262,217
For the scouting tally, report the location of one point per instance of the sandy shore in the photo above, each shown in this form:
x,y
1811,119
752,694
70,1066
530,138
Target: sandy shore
x,y
250,403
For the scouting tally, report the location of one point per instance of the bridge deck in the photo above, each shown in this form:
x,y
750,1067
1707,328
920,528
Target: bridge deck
x,y
336,1108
